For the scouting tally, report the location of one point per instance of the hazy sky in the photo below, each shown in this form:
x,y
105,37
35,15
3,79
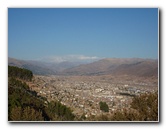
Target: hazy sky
x,y
82,32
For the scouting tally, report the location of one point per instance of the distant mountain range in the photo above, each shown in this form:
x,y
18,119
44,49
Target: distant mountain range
x,y
115,66
43,68
34,66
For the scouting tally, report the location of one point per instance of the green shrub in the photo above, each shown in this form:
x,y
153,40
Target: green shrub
x,y
104,107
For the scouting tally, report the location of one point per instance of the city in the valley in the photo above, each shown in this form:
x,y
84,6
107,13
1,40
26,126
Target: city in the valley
x,y
83,93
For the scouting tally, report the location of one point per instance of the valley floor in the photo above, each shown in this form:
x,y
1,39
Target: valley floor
x,y
83,93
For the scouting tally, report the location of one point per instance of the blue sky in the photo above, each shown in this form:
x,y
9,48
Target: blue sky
x,y
82,32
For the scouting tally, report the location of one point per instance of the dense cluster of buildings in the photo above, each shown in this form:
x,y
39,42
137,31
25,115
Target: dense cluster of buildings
x,y
83,93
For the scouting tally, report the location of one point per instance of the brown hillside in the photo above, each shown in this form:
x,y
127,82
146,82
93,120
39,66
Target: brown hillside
x,y
129,66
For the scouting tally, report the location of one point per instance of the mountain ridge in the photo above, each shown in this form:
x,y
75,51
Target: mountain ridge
x,y
117,66
114,66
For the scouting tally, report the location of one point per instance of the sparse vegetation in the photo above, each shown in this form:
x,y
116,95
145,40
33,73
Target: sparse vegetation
x,y
26,114
147,106
57,111
26,105
143,108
